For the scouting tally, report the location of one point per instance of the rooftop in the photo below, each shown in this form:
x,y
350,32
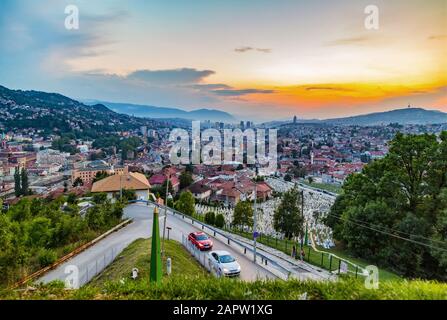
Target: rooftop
x,y
130,181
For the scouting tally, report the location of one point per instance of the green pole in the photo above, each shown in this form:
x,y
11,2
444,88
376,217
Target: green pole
x,y
156,265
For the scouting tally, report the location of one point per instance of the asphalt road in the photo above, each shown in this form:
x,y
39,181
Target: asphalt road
x,y
94,259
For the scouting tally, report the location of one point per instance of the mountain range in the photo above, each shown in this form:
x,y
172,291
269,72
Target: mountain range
x,y
55,113
166,113
401,116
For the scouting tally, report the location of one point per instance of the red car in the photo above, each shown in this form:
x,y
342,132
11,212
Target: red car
x,y
200,240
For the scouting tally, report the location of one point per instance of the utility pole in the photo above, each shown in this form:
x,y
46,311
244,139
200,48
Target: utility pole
x,y
121,187
255,215
302,216
166,214
254,222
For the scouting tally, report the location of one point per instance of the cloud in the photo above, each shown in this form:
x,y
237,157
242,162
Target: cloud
x,y
325,88
438,37
246,49
210,86
358,40
243,49
170,76
240,92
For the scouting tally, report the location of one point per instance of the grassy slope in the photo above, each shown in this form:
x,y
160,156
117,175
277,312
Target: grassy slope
x,y
315,257
190,281
325,186
202,288
137,254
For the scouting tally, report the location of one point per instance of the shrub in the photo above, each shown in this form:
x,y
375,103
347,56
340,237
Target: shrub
x,y
219,221
210,218
46,257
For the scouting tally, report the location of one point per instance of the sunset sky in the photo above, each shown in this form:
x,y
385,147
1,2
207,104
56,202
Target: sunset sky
x,y
259,60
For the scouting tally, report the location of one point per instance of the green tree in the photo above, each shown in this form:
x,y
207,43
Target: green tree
x,y
17,183
210,217
243,214
288,178
100,175
161,191
189,168
78,182
219,221
71,198
99,197
129,194
287,217
95,217
393,212
440,234
39,232
46,257
24,182
185,203
185,179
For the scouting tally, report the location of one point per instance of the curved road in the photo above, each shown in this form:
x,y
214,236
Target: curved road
x,y
94,259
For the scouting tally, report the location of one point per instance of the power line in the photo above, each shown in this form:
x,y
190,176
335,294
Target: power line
x,y
390,234
394,230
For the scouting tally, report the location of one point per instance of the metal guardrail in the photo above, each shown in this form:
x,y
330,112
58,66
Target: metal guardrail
x,y
200,256
265,261
68,256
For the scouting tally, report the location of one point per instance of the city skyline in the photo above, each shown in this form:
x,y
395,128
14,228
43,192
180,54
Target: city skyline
x,y
255,60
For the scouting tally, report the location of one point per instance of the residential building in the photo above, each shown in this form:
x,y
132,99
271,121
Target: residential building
x,y
128,181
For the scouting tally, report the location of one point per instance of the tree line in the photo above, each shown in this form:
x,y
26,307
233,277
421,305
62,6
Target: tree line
x,y
21,183
36,232
394,212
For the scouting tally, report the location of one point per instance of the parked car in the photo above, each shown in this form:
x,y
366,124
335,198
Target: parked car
x,y
200,240
224,264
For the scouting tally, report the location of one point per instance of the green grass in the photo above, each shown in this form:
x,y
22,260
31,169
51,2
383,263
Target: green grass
x,y
210,288
137,255
317,258
189,281
325,186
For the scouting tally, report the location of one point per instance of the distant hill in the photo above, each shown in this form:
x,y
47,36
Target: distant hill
x,y
53,112
401,116
161,112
